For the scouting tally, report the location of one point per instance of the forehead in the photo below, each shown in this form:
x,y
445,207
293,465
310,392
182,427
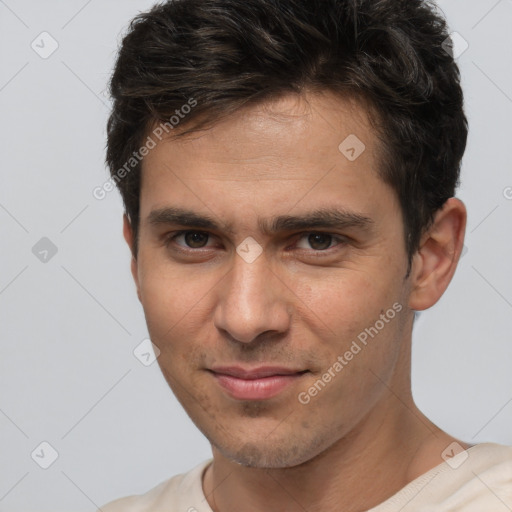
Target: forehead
x,y
295,149
318,121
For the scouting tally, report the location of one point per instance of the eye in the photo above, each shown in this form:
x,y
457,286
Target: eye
x,y
192,239
320,241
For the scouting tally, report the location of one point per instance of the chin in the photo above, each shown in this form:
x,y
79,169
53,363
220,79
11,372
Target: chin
x,y
261,456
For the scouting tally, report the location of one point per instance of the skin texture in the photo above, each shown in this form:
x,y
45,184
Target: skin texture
x,y
300,305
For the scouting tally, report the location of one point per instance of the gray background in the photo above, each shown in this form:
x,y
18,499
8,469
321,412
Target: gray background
x,y
69,325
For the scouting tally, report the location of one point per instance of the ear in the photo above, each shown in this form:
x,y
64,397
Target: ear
x,y
435,261
128,236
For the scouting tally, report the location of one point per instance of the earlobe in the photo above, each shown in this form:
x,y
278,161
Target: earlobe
x,y
436,260
128,236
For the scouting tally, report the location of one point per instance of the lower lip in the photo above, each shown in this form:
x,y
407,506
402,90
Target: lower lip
x,y
255,389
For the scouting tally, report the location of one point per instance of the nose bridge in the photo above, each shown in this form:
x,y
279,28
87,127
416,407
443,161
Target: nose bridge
x,y
252,301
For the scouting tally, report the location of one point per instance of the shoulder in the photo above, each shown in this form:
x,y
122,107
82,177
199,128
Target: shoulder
x,y
473,480
480,479
491,460
183,492
485,457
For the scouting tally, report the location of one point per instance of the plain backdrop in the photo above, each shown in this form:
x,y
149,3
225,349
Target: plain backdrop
x,y
69,316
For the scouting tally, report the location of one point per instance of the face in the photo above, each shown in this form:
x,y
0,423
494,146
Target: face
x,y
271,271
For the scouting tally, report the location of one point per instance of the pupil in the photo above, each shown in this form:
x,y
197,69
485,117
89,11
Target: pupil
x,y
194,239
316,240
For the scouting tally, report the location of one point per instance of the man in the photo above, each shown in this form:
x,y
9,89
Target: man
x,y
288,169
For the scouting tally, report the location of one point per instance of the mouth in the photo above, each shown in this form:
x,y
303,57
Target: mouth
x,y
260,383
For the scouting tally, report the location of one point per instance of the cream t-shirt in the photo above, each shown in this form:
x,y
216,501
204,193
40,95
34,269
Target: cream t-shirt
x,y
478,479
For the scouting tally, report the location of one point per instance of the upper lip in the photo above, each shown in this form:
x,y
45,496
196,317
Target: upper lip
x,y
254,373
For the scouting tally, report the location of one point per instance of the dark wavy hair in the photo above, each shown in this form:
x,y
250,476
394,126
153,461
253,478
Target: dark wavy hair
x,y
224,54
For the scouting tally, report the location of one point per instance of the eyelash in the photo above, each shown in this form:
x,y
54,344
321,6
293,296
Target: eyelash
x,y
171,237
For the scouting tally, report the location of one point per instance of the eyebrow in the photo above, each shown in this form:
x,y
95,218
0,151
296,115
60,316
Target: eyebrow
x,y
327,218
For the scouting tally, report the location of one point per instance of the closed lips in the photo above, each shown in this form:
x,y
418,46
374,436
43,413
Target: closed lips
x,y
257,373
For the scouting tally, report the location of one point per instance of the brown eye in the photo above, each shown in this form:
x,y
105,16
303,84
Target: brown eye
x,y
319,241
195,239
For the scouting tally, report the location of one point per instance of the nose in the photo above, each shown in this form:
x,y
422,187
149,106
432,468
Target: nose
x,y
252,300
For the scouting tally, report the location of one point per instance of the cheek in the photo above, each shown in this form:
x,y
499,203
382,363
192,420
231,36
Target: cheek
x,y
175,309
360,359
173,299
348,310
348,301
